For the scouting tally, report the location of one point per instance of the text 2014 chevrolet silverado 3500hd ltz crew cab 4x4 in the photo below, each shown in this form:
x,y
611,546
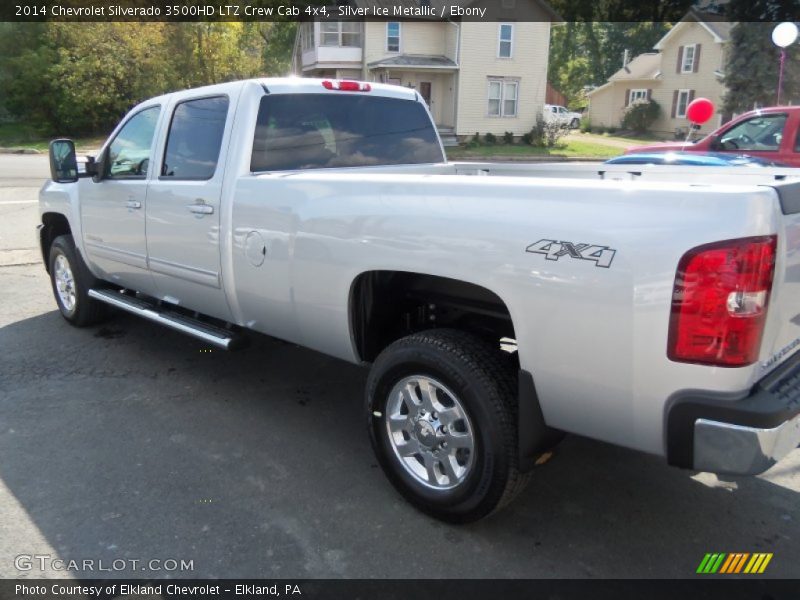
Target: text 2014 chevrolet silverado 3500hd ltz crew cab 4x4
x,y
498,305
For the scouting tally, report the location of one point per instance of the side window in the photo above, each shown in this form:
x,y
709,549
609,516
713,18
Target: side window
x,y
129,152
195,138
762,133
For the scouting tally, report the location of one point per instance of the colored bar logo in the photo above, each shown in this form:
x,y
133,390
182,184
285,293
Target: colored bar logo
x,y
736,562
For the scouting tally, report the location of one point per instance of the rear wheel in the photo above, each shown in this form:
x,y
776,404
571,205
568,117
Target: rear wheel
x,y
574,124
442,421
71,281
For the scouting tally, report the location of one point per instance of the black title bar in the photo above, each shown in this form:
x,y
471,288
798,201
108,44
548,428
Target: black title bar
x,y
457,10
705,587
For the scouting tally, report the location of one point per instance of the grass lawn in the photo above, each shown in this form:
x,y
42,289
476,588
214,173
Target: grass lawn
x,y
21,136
589,149
631,140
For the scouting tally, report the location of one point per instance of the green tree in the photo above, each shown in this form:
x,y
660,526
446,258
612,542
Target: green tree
x,y
102,69
751,72
751,68
73,78
584,53
25,61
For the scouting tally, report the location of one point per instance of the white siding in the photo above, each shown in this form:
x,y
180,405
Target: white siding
x,y
480,62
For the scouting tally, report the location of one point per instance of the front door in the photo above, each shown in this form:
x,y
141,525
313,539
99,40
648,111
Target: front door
x,y
113,209
425,91
183,209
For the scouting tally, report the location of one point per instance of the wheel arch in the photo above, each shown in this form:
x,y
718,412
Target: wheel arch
x,y
386,304
53,225
472,308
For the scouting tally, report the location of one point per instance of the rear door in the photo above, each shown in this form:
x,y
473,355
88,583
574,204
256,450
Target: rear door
x,y
183,211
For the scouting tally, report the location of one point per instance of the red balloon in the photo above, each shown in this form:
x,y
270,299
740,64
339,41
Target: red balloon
x,y
700,110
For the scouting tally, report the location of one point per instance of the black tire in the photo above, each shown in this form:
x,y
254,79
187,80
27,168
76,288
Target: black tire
x,y
575,124
485,385
85,311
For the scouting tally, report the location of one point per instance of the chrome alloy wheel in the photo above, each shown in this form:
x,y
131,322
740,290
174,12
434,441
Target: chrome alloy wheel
x,y
430,432
65,283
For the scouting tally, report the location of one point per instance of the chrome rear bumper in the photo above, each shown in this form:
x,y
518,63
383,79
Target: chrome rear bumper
x,y
737,436
739,450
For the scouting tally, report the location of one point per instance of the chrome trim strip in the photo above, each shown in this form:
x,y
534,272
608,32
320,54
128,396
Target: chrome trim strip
x,y
123,256
193,274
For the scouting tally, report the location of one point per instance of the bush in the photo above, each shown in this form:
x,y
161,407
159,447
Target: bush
x,y
547,133
600,129
474,142
640,115
612,130
586,125
490,139
508,138
527,138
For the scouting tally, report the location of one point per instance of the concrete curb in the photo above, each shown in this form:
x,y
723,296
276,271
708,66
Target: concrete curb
x,y
20,151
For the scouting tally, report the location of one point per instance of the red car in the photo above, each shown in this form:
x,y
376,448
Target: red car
x,y
769,133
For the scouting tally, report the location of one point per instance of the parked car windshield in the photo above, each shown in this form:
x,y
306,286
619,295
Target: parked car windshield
x,y
316,131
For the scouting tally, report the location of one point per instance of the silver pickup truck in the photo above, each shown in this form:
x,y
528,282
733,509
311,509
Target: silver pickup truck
x,y
499,306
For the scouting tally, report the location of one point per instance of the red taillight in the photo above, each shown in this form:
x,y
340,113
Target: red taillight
x,y
347,86
719,302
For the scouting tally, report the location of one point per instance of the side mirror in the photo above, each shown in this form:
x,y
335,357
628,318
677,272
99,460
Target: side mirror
x,y
63,163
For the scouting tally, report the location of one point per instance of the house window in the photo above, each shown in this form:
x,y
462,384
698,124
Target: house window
x,y
506,40
637,96
307,33
393,36
688,58
503,98
683,102
345,34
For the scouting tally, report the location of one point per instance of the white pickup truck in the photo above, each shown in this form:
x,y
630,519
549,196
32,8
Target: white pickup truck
x,y
498,305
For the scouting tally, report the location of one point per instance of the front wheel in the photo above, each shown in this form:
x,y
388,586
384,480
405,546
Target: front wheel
x,y
71,281
442,421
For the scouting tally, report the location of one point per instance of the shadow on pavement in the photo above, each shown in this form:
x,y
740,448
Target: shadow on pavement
x,y
129,441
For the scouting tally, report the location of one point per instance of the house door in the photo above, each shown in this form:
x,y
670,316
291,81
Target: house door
x,y
425,91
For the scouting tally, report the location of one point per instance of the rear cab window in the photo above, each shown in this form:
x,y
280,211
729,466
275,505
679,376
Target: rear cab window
x,y
319,131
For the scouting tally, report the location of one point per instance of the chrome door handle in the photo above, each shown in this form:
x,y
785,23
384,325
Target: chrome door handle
x,y
133,204
201,209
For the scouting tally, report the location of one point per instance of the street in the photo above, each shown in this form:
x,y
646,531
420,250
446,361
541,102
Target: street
x,y
130,441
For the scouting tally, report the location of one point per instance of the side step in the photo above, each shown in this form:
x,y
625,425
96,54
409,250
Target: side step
x,y
219,337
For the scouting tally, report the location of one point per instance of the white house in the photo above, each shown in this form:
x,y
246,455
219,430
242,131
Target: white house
x,y
485,77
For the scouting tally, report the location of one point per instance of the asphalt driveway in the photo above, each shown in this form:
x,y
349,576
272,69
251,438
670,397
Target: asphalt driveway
x,y
131,442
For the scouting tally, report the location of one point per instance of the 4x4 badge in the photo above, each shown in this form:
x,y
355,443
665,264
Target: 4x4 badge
x,y
601,256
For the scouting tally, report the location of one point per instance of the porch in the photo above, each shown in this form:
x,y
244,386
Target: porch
x,y
434,77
